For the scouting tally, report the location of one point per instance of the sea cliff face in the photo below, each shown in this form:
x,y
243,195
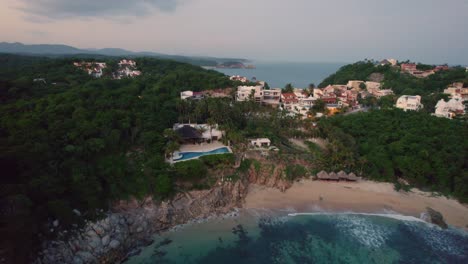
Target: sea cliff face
x,y
131,225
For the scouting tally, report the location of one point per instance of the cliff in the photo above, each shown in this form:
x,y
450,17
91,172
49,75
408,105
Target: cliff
x,y
131,224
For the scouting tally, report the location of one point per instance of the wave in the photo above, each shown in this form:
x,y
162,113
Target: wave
x,y
386,215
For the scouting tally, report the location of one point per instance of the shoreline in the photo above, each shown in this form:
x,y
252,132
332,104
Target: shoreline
x,y
307,196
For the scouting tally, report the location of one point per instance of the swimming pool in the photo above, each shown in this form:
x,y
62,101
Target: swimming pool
x,y
192,155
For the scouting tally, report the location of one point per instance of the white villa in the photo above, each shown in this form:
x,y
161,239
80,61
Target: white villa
x,y
271,97
260,142
243,93
457,90
186,94
409,102
354,85
239,78
449,109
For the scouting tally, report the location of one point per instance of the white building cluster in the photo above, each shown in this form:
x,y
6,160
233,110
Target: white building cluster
x,y
126,68
456,105
409,102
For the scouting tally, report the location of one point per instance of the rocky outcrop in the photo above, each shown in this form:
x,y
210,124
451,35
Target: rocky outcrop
x,y
434,217
131,225
270,175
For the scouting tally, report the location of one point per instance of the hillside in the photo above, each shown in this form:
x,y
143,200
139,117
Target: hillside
x,y
84,143
54,50
430,88
399,82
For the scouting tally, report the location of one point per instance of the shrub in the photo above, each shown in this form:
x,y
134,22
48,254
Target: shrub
x,y
218,160
295,171
245,165
191,169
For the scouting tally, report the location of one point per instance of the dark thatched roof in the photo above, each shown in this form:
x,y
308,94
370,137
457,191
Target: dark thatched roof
x,y
188,132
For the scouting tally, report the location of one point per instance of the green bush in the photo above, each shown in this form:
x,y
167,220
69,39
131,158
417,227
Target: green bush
x,y
191,169
295,171
218,160
163,185
245,165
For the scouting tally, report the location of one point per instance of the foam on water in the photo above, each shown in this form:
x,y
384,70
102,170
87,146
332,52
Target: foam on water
x,y
443,241
387,215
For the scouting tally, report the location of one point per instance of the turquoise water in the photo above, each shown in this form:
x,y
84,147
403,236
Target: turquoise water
x,y
277,75
316,238
191,155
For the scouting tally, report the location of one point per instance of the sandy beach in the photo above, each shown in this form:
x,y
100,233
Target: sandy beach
x,y
362,197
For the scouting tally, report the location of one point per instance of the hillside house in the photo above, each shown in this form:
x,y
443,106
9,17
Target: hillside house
x,y
289,101
450,109
244,92
191,95
260,142
457,90
272,97
239,78
354,85
408,67
409,102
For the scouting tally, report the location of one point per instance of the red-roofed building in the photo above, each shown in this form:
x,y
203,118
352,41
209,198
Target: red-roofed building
x,y
288,100
441,68
408,67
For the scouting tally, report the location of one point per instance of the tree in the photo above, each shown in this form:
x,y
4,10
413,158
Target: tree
x,y
288,88
363,86
211,123
311,89
163,185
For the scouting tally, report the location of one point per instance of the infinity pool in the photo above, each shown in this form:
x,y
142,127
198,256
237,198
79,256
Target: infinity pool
x,y
192,155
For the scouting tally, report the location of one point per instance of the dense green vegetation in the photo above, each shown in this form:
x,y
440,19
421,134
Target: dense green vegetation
x,y
428,152
75,142
86,142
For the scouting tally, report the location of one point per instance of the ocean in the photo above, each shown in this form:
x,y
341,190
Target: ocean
x,y
257,236
277,75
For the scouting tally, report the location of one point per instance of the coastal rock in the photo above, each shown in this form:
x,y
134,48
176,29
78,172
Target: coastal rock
x,y
75,211
105,240
86,257
114,244
434,217
132,224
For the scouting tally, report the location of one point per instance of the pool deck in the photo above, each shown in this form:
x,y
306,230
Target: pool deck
x,y
204,147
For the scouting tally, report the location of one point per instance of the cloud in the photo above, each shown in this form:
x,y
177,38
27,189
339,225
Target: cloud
x,y
63,9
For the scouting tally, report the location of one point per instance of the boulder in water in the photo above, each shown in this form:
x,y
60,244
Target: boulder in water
x,y
435,217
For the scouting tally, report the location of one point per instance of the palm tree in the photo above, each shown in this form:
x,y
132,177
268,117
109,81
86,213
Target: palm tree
x,y
311,89
288,88
211,122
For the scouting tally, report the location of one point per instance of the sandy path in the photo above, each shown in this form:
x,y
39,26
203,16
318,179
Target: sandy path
x,y
364,196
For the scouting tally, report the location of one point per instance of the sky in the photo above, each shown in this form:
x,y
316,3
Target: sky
x,y
428,31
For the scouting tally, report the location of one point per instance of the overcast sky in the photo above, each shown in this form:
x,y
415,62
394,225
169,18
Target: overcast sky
x,y
431,31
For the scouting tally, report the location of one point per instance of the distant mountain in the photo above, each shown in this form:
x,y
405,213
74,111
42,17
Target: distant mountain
x,y
58,50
